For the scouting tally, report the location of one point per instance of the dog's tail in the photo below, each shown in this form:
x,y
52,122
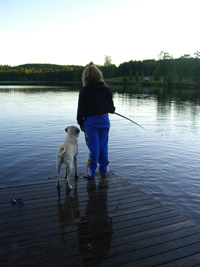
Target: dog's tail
x,y
62,150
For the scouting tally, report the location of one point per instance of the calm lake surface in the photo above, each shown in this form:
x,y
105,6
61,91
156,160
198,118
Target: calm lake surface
x,y
163,162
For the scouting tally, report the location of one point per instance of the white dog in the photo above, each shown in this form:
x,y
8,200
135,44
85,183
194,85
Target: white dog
x,y
67,153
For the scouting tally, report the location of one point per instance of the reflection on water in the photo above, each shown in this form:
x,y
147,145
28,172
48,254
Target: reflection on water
x,y
91,221
68,211
163,162
95,227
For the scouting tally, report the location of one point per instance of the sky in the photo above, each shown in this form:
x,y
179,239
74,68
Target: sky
x,y
76,32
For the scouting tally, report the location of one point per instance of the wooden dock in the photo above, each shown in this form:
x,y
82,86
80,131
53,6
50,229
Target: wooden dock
x,y
104,222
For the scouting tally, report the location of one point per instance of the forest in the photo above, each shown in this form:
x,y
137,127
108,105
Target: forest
x,y
183,71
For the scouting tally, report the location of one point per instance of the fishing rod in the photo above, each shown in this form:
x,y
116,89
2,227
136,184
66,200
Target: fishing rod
x,y
130,120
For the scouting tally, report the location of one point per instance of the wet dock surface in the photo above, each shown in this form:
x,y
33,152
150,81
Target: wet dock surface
x,y
104,222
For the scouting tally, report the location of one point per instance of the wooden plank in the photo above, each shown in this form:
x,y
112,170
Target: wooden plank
x,y
168,256
114,206
192,260
106,221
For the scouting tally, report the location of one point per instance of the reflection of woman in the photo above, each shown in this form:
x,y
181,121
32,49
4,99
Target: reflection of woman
x,y
95,102
95,228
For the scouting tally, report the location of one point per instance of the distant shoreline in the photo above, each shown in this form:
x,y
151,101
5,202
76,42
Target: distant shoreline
x,y
107,81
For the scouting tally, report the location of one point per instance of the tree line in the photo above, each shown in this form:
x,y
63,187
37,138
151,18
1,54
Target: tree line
x,y
167,70
40,72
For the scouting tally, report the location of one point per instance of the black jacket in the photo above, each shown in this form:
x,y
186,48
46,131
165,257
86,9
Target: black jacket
x,y
94,99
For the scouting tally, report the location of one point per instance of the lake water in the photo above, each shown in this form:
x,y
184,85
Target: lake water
x,y
163,161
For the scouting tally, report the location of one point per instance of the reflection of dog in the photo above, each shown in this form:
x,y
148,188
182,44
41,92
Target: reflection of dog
x,y
67,153
67,211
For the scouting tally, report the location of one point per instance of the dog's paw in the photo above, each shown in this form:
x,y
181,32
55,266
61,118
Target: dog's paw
x,y
69,187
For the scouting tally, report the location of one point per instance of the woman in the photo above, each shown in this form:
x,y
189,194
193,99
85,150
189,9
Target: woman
x,y
95,102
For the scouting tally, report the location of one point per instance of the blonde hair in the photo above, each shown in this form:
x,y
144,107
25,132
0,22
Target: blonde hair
x,y
91,74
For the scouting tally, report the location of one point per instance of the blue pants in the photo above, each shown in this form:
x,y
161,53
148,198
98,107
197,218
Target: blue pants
x,y
96,136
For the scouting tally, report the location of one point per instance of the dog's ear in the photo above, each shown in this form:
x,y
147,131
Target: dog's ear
x,y
77,131
66,129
